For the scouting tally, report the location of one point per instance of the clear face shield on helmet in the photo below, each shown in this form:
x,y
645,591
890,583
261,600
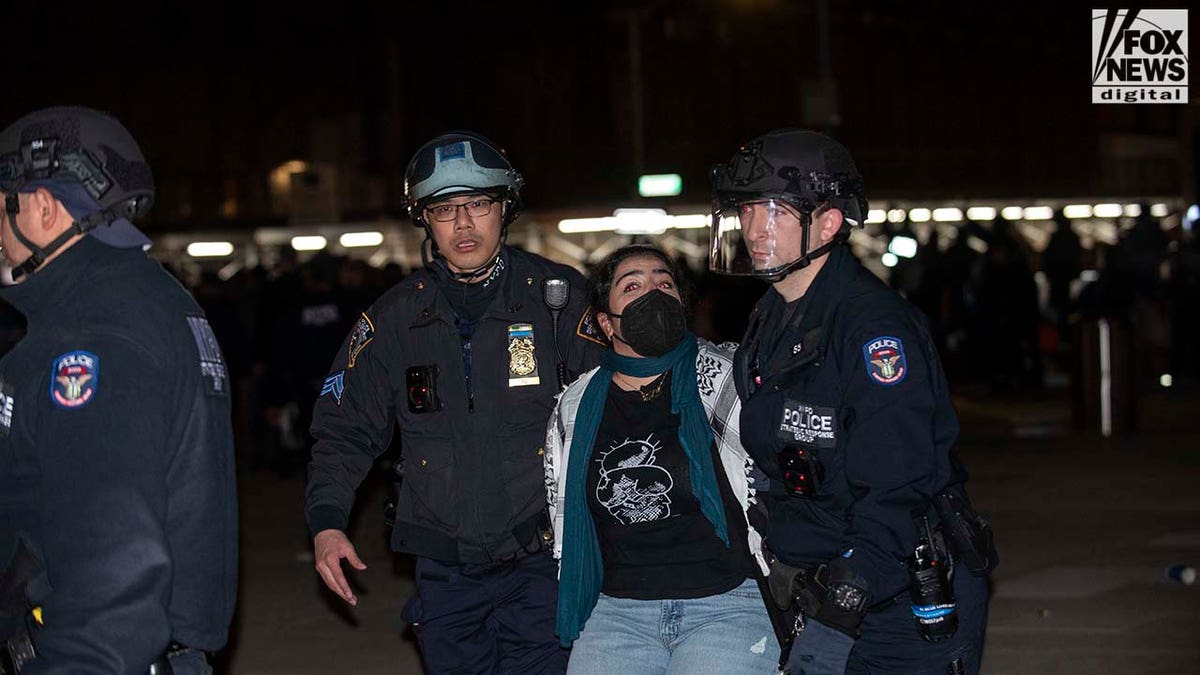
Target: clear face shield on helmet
x,y
756,236
767,197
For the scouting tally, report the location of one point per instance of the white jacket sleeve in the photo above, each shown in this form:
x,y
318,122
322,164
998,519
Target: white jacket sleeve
x,y
556,474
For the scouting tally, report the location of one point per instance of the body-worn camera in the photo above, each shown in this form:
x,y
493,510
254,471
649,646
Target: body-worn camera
x,y
422,389
802,470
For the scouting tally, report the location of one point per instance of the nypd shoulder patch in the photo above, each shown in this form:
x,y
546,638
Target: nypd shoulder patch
x,y
364,332
74,379
589,328
885,360
334,386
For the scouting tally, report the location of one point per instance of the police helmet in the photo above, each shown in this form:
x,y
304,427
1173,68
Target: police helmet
x,y
78,145
90,162
788,169
460,162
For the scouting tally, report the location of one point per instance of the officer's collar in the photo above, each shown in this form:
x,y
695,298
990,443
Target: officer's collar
x,y
508,302
439,267
824,291
820,294
45,291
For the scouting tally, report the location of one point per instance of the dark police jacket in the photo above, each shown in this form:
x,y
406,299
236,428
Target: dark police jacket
x,y
116,464
856,381
473,481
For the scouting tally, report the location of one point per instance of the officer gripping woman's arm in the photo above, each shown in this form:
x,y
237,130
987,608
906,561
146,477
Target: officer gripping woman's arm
x,y
846,409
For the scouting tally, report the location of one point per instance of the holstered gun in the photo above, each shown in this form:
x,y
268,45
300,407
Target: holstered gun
x,y
16,642
21,569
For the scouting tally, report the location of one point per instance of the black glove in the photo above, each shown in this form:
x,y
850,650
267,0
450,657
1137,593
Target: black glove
x,y
818,650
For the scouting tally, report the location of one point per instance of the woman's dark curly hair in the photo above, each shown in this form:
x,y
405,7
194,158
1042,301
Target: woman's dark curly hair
x,y
602,277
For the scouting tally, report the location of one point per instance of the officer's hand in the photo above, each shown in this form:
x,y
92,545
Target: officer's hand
x,y
330,547
819,650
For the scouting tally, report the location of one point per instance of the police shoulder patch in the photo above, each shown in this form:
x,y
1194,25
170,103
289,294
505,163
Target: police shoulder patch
x,y
74,379
212,363
885,360
7,407
364,332
589,328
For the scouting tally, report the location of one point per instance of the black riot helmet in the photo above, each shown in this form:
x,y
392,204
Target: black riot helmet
x,y
90,162
790,171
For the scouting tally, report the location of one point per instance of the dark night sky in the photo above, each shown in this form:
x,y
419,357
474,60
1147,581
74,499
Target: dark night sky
x,y
937,98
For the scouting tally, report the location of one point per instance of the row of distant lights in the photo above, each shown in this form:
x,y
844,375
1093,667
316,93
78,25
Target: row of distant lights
x,y
657,221
646,221
220,249
985,213
904,246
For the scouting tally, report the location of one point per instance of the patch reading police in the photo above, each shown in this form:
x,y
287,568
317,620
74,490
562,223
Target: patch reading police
x,y
589,329
522,362
212,363
885,361
364,332
7,405
334,386
74,378
809,425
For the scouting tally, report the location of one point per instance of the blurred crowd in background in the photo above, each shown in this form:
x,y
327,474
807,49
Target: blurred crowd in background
x,y
1005,316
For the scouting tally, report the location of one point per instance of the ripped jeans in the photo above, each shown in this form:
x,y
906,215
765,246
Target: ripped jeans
x,y
728,633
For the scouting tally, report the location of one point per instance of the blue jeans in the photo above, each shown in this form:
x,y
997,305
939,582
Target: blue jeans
x,y
728,633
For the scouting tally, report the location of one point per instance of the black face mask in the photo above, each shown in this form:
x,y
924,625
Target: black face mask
x,y
653,324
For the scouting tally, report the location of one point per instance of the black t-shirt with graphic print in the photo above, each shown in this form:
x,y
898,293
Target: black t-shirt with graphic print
x,y
655,542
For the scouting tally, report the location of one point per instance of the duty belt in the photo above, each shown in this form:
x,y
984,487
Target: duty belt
x,y
18,651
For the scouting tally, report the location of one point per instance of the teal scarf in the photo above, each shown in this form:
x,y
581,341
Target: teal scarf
x,y
582,571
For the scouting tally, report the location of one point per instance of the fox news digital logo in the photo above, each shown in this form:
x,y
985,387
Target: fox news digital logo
x,y
1139,56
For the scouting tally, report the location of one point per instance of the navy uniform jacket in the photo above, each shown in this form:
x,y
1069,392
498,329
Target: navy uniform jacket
x,y
473,480
857,381
116,463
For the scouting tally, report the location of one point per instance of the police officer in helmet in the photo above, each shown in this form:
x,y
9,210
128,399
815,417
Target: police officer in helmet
x,y
118,521
464,357
880,563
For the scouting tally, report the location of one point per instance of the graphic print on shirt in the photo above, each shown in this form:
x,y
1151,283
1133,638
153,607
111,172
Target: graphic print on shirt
x,y
632,487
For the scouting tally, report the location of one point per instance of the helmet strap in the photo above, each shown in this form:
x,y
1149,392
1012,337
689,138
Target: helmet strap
x,y
39,254
806,256
431,258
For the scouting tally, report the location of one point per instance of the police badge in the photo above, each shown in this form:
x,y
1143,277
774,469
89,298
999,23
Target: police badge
x,y
522,362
